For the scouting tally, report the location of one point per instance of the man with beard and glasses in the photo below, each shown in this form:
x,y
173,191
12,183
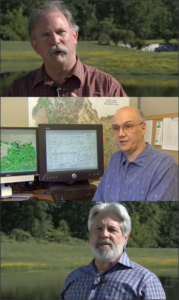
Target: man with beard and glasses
x,y
137,172
53,34
111,275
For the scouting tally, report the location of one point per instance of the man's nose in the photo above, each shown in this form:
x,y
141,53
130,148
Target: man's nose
x,y
55,39
121,132
104,233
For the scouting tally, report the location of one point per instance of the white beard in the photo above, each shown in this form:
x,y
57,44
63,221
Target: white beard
x,y
107,254
59,58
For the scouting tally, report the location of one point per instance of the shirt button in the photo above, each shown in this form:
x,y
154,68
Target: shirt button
x,y
127,176
125,193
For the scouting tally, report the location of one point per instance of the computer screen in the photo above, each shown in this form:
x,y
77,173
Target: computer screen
x,y
18,148
70,153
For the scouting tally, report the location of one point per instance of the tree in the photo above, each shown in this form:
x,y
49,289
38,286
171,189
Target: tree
x,y
161,19
135,16
168,225
167,35
115,35
129,37
28,216
104,39
145,218
76,215
14,25
85,17
106,26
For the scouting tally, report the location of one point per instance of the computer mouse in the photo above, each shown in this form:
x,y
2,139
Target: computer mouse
x,y
33,199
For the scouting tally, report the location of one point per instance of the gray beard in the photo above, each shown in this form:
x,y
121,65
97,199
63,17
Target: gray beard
x,y
107,254
59,58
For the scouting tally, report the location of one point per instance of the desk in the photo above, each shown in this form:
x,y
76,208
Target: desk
x,y
39,193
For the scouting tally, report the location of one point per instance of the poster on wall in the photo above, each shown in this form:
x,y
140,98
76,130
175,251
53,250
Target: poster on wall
x,y
78,110
48,110
159,133
170,134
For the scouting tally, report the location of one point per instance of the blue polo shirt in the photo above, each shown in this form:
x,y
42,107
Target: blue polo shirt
x,y
124,280
152,176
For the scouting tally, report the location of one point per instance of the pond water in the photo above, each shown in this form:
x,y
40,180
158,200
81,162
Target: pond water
x,y
46,285
138,90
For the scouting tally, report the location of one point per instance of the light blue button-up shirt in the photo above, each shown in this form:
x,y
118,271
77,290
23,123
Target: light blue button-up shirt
x,y
124,280
152,176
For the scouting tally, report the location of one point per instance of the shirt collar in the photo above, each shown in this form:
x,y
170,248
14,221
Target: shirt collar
x,y
141,158
42,76
123,260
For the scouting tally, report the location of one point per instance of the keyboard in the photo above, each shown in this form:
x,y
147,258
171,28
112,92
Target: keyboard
x,y
74,194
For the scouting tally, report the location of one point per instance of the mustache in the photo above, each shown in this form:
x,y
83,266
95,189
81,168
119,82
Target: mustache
x,y
105,241
57,48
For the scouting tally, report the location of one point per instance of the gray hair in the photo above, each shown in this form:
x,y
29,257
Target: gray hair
x,y
141,115
119,209
50,6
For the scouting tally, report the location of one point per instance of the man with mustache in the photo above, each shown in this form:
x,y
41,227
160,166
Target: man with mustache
x,y
137,172
54,35
111,275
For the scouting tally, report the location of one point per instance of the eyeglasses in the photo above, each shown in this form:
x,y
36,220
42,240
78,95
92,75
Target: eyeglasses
x,y
126,128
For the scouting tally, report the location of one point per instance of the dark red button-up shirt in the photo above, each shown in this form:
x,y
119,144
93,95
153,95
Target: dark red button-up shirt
x,y
84,81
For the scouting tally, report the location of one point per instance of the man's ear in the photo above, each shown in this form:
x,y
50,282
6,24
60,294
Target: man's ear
x,y
126,238
75,36
143,128
34,46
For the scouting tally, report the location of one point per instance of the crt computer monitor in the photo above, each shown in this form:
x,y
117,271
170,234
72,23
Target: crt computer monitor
x,y
18,148
70,155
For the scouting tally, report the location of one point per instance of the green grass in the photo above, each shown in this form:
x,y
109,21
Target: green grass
x,y
34,257
19,56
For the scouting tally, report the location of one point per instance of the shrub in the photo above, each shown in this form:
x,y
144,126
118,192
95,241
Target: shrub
x,y
138,43
56,236
115,35
128,37
20,235
64,227
4,237
104,39
167,35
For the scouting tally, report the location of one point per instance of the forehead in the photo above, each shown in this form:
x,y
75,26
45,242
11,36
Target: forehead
x,y
106,217
124,115
53,18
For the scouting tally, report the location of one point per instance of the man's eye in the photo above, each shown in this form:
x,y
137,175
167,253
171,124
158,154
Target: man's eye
x,y
61,32
45,34
115,128
127,126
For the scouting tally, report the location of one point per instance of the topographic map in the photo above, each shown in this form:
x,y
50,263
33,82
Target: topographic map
x,y
60,110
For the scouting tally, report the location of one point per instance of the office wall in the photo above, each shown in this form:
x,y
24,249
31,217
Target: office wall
x,y
134,101
14,110
158,105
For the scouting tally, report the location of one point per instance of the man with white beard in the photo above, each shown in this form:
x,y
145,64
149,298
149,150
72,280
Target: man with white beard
x,y
111,275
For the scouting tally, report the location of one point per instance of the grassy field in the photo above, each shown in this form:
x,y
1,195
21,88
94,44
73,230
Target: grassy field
x,y
19,56
141,73
33,257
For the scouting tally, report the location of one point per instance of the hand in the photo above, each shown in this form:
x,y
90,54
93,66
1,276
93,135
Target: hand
x,y
73,95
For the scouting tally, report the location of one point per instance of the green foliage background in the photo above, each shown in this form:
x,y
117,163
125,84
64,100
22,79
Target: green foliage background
x,y
154,224
146,19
